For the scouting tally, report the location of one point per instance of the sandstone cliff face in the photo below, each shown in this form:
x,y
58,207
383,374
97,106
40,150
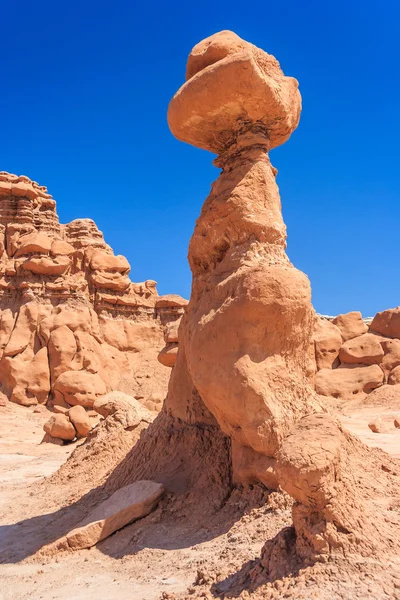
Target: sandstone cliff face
x,y
72,324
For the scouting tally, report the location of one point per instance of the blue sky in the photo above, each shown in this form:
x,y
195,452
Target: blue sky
x,y
85,90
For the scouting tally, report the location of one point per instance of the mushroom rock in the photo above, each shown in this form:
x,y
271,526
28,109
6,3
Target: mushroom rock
x,y
242,369
67,305
252,378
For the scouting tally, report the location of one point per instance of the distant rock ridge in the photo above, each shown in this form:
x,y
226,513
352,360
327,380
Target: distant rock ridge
x,y
67,305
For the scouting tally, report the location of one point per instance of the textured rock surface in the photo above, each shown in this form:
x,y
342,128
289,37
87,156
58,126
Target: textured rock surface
x,y
348,383
68,310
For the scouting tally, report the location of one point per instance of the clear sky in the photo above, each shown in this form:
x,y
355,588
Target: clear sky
x,y
85,87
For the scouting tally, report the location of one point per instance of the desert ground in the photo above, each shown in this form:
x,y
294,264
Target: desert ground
x,y
168,554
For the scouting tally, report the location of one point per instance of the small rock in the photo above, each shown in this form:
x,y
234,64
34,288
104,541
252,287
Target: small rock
x,y
80,420
397,421
59,426
377,426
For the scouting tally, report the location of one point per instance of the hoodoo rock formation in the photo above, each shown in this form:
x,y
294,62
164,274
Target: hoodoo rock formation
x,y
72,324
242,381
247,330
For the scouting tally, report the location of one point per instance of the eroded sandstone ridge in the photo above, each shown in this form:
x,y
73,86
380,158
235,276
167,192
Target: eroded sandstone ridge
x,y
73,326
245,357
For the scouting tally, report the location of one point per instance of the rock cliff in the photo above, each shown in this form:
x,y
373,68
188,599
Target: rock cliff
x,y
73,326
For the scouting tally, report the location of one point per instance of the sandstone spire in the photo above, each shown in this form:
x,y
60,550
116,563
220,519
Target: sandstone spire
x,y
249,322
245,337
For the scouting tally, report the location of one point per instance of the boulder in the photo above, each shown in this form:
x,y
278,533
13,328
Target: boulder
x,y
327,340
167,356
118,401
59,426
351,325
128,504
78,387
365,349
228,78
33,243
80,420
347,383
387,323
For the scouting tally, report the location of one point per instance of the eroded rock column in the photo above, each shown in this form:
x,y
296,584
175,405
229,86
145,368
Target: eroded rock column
x,y
247,329
245,339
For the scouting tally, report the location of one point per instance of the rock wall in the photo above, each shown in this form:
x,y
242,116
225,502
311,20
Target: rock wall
x,y
72,324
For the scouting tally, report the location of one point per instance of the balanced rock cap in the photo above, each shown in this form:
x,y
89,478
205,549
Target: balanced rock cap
x,y
230,85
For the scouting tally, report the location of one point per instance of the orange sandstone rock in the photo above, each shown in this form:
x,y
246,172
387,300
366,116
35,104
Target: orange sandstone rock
x,y
394,376
124,506
346,383
80,420
243,360
59,426
387,323
67,305
377,426
365,349
327,340
351,325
